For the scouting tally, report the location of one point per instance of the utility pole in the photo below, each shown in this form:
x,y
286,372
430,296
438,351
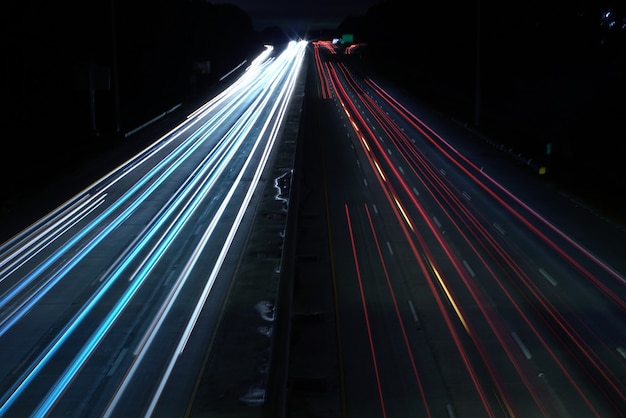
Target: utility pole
x,y
92,99
477,75
114,72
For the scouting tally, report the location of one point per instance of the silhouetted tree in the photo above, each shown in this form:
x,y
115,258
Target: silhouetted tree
x,y
54,51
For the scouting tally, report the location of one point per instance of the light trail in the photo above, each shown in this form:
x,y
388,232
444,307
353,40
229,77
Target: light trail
x,y
454,156
169,165
439,188
18,255
325,89
259,97
501,334
381,398
279,109
181,216
553,317
350,110
225,104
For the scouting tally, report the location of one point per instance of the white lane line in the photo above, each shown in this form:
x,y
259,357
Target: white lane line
x,y
389,248
416,192
437,222
469,269
499,228
450,410
414,313
621,351
467,196
545,274
522,346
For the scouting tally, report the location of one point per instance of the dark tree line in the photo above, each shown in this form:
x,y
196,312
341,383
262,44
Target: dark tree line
x,y
541,72
77,75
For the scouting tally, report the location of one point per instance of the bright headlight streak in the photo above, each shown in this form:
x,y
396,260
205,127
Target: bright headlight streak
x,y
275,82
87,248
214,104
62,383
286,92
239,88
144,270
116,175
13,255
27,378
258,60
43,290
73,324
170,166
250,190
47,236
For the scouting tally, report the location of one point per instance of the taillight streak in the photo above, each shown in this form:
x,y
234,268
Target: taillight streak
x,y
365,313
503,337
431,135
431,177
554,315
321,73
343,96
265,111
397,310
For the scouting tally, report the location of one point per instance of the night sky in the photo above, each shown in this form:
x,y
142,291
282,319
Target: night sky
x,y
301,15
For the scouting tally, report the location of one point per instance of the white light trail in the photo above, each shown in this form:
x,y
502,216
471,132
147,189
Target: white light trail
x,y
264,97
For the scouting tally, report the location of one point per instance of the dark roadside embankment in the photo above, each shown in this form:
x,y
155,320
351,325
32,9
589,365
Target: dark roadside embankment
x,y
47,170
566,133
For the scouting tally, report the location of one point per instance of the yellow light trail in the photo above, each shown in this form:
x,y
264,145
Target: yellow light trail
x,y
447,293
380,171
402,212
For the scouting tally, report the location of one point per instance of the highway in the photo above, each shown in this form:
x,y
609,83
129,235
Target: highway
x,y
455,288
108,303
426,275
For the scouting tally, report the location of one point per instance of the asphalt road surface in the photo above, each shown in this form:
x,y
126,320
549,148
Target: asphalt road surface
x,y
435,276
399,265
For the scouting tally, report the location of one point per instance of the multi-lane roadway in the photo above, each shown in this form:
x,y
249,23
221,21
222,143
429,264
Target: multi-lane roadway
x,y
461,285
430,276
107,303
